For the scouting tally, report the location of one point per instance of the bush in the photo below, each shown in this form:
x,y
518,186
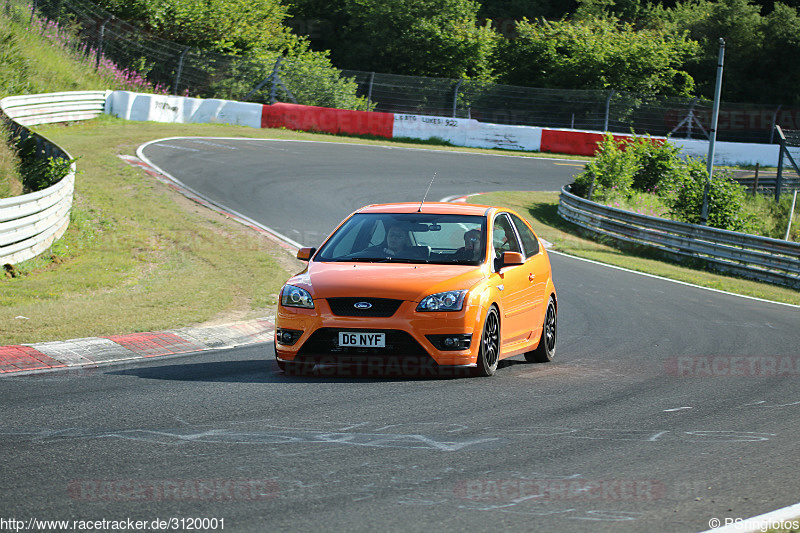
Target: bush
x,y
39,173
683,194
657,161
612,170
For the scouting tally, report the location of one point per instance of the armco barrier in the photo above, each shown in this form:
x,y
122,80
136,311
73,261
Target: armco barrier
x,y
30,223
751,256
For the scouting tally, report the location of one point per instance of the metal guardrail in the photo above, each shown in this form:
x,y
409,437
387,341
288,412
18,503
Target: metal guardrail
x,y
771,260
30,223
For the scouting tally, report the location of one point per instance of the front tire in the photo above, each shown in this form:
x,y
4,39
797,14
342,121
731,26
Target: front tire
x,y
546,349
489,353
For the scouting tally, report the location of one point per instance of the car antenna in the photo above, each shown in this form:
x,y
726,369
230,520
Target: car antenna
x,y
426,193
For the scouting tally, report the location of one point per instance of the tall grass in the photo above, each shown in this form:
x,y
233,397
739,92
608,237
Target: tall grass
x,y
41,56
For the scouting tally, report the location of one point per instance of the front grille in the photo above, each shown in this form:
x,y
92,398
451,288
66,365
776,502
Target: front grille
x,y
325,341
381,307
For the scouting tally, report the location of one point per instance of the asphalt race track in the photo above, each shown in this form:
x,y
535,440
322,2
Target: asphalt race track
x,y
667,405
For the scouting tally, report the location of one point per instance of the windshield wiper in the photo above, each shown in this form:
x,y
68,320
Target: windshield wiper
x,y
362,259
406,260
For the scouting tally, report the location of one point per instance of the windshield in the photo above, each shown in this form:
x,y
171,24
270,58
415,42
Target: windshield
x,y
408,238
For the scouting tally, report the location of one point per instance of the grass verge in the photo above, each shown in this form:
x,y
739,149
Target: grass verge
x,y
140,257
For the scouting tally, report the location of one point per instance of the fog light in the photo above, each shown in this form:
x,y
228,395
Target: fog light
x,y
287,337
451,342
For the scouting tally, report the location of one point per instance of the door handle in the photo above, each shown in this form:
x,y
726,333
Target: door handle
x,y
531,276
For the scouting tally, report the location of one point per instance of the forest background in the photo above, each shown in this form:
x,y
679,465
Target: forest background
x,y
644,46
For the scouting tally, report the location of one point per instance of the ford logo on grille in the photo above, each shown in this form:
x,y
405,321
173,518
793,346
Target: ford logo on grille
x,y
362,305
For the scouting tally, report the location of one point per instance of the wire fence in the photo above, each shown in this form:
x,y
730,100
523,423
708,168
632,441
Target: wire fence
x,y
183,70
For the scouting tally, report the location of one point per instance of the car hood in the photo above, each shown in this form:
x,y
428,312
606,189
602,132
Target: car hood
x,y
410,282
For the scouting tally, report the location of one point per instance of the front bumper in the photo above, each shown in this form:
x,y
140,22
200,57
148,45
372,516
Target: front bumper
x,y
311,335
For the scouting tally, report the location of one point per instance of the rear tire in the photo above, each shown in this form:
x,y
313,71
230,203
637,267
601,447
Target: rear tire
x,y
489,352
546,349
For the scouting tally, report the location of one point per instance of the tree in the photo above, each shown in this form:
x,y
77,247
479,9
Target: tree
x,y
739,22
597,54
436,38
236,27
781,56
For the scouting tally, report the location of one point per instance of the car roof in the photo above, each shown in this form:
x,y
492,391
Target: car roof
x,y
441,208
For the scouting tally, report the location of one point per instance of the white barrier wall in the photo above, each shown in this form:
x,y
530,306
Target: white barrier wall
x,y
474,134
467,132
728,153
160,108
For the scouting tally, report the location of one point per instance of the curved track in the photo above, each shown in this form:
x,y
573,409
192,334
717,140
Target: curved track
x,y
638,425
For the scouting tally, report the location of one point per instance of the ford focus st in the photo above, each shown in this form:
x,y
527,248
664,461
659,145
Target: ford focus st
x,y
409,286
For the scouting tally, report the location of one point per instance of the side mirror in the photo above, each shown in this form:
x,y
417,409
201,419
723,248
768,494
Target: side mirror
x,y
305,254
513,258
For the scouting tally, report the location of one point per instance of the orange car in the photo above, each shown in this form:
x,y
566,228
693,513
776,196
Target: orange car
x,y
420,287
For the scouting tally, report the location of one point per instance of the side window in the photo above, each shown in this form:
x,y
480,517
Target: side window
x,y
503,237
529,241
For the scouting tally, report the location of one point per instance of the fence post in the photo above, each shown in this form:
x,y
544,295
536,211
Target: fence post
x,y
755,180
100,42
779,177
608,109
273,92
180,70
33,12
275,78
455,97
369,91
774,123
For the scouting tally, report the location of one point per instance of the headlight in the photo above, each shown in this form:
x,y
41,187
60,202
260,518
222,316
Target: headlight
x,y
292,296
443,301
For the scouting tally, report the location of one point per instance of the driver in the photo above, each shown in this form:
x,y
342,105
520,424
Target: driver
x,y
473,246
397,241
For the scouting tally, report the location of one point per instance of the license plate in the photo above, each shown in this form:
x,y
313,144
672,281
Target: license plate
x,y
362,340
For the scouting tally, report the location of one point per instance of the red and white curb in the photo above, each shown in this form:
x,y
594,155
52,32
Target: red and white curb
x,y
96,351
